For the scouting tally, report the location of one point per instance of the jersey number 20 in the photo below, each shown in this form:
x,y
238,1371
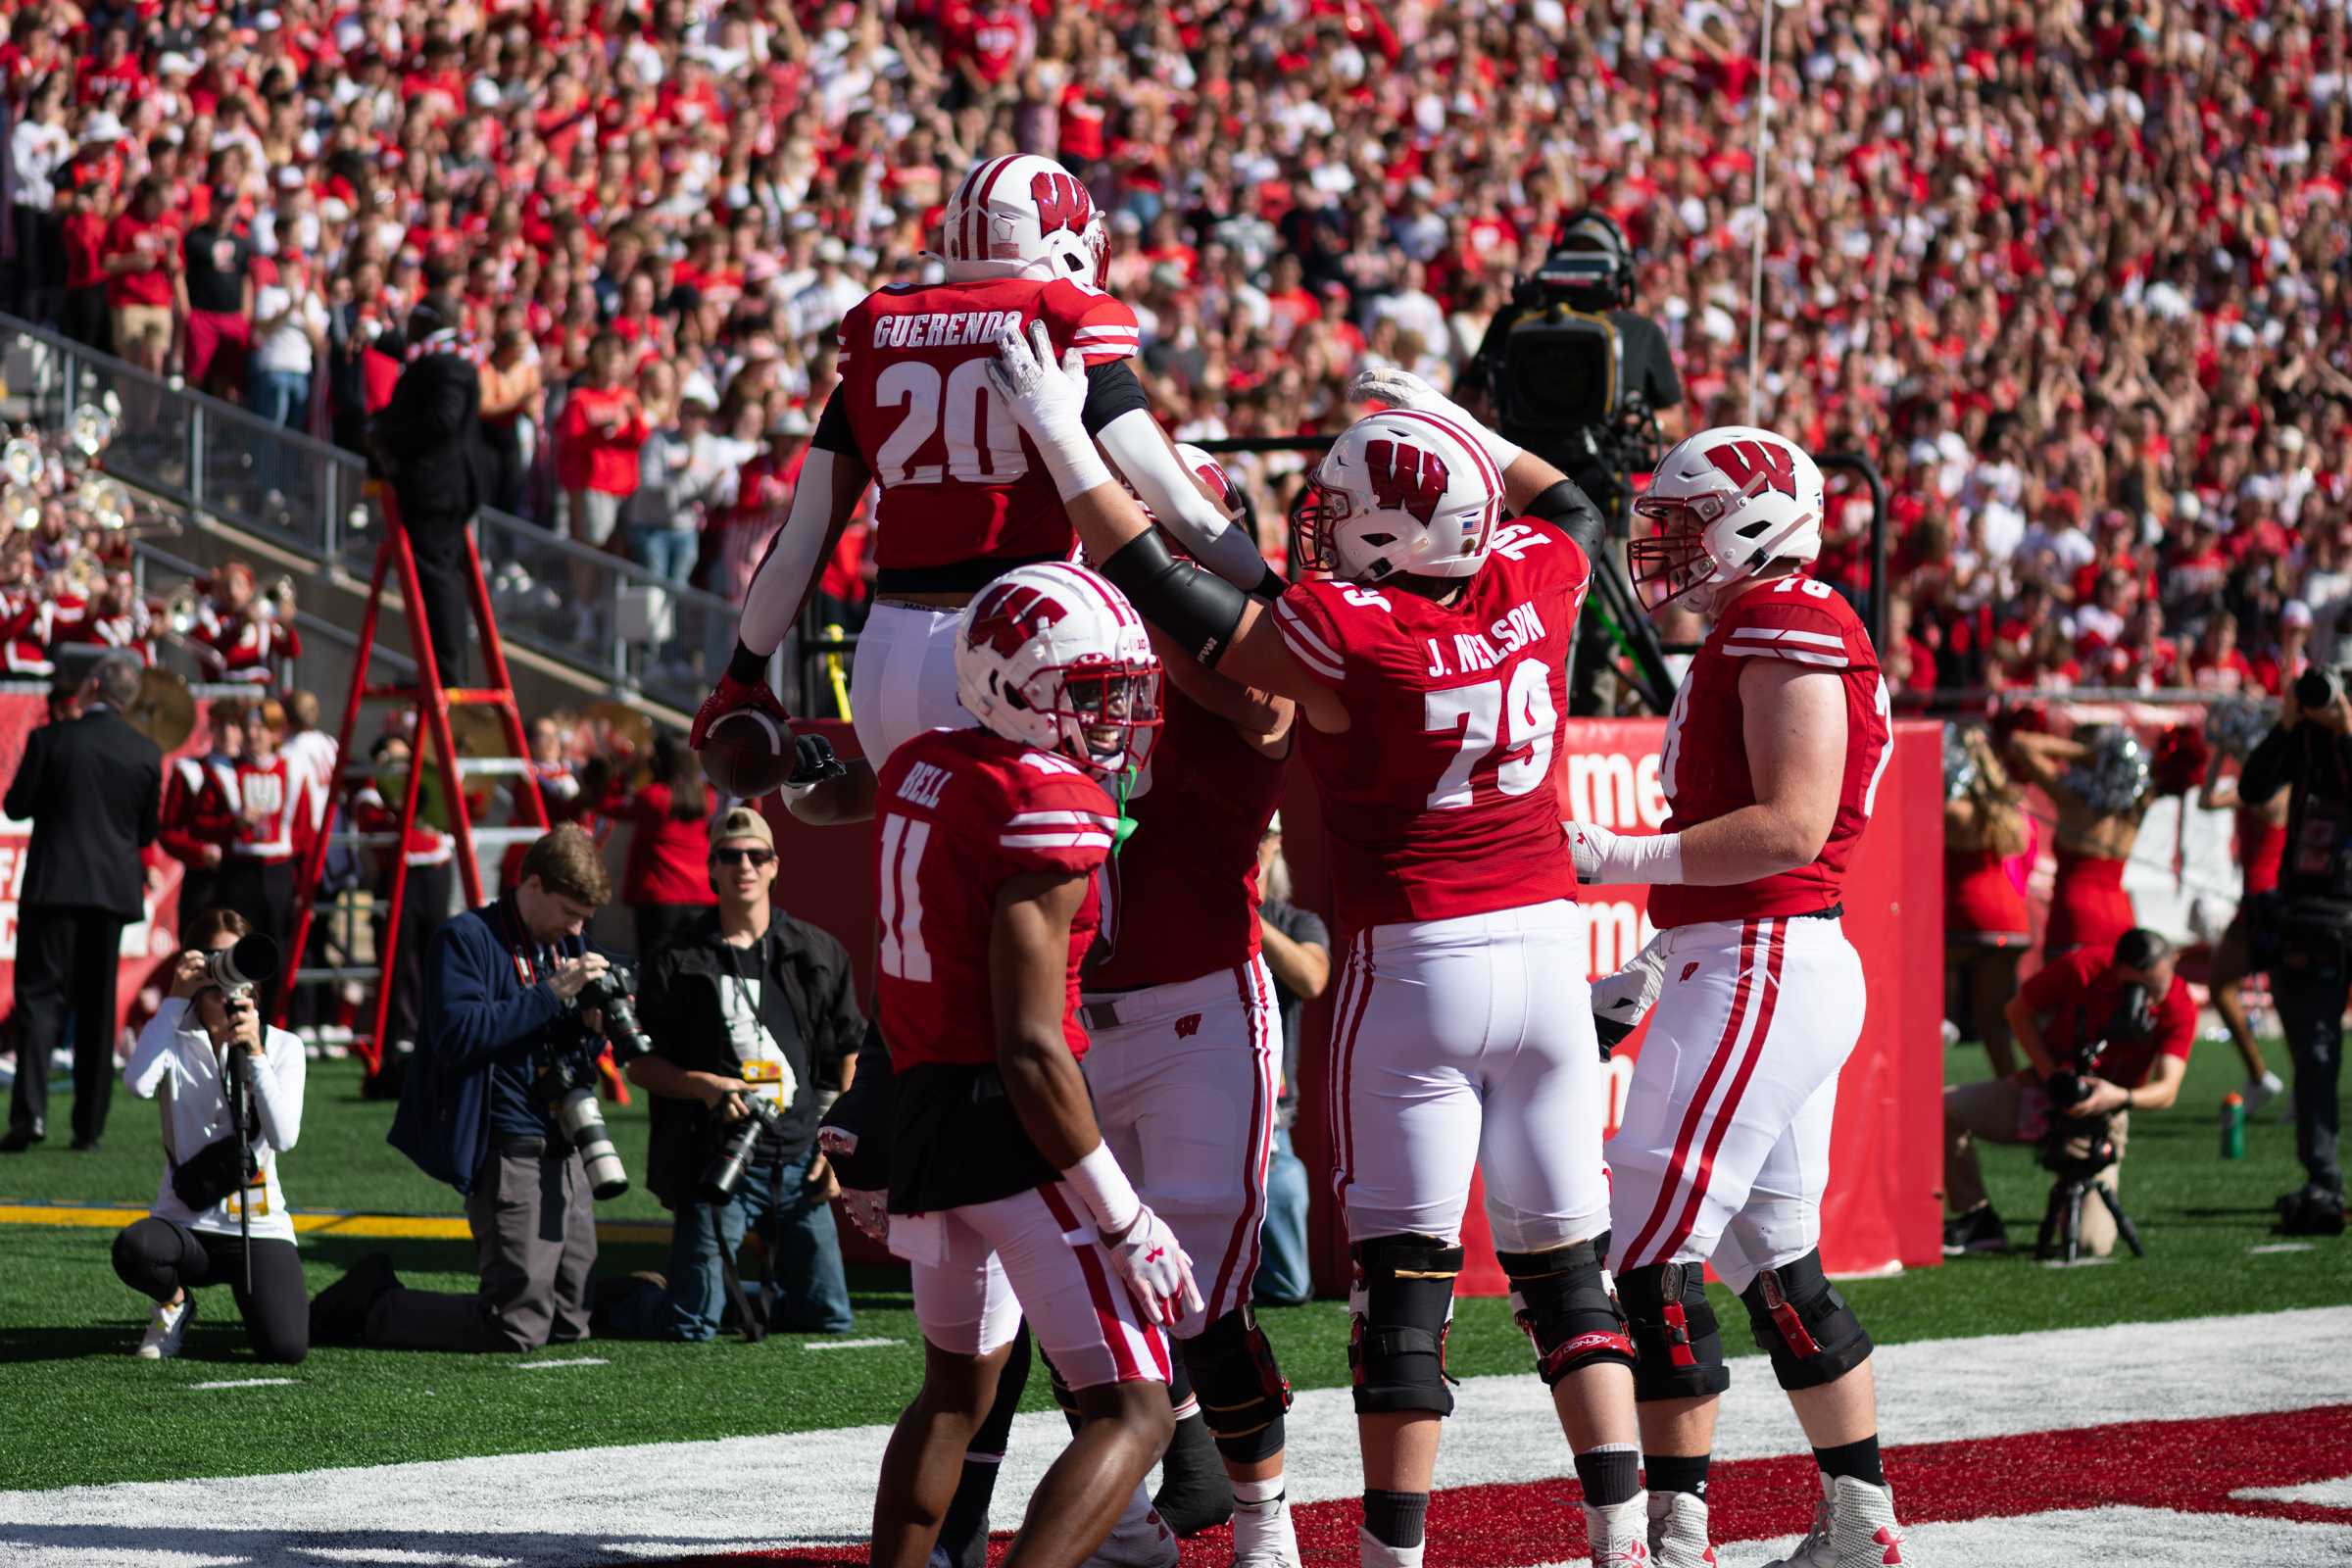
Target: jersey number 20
x,y
1517,710
983,443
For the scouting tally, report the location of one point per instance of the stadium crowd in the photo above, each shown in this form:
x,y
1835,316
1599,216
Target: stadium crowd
x,y
2052,267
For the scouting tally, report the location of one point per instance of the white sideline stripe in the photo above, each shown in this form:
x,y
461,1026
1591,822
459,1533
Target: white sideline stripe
x,y
248,1383
570,1507
2336,1494
567,1360
399,1555
847,1344
2278,1246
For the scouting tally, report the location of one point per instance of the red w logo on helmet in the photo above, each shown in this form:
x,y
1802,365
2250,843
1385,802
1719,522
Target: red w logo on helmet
x,y
1061,203
1747,462
1009,615
1406,478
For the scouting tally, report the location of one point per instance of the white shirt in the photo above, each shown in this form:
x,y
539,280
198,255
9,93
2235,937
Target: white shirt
x,y
288,346
311,755
39,151
183,1061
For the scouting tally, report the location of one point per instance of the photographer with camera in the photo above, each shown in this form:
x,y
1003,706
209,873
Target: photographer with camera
x,y
219,1215
499,1104
2308,950
2106,1035
755,1025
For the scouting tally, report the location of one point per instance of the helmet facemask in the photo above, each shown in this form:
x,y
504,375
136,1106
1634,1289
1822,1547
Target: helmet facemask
x,y
1108,715
1673,561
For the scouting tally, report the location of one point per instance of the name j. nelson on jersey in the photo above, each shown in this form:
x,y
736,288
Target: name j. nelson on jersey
x,y
1474,651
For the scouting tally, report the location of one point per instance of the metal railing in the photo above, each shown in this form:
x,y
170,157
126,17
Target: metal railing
x,y
596,612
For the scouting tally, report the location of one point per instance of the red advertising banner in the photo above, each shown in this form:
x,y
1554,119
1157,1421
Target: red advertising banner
x,y
146,945
1884,1206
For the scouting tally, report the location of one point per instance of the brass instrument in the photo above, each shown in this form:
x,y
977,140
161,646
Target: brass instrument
x,y
165,710
20,460
178,611
19,508
87,433
86,573
278,595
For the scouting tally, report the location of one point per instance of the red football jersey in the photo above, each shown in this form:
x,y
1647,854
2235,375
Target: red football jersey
x,y
1440,796
1703,768
1182,889
959,813
959,480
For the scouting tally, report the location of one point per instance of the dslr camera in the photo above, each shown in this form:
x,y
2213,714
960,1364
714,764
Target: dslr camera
x,y
2079,1148
236,971
724,1173
2319,686
569,1079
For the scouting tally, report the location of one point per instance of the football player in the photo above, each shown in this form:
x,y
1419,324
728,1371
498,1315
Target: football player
x,y
1429,674
1003,1198
1187,1051
1772,759
962,497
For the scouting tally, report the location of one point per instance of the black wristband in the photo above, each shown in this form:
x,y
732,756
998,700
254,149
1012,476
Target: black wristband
x,y
1197,609
1272,586
746,666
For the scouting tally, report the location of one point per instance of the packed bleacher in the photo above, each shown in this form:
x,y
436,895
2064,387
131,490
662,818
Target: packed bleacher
x,y
2071,275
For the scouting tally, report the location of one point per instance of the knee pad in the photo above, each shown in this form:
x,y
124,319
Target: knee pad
x,y
1240,1390
1562,1301
1678,1346
1403,1305
1801,1321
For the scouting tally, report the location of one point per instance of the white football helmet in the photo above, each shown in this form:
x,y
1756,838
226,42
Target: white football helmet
x,y
1023,216
1052,655
1404,492
1723,504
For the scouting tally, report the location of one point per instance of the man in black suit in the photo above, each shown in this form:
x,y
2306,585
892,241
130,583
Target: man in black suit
x,y
91,786
429,439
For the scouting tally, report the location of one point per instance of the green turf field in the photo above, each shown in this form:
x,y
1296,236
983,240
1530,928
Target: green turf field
x,y
76,1408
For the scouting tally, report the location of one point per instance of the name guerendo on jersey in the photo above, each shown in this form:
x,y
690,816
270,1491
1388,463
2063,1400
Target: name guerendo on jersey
x,y
931,330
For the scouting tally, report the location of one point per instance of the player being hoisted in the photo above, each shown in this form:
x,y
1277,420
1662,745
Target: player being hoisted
x,y
1772,760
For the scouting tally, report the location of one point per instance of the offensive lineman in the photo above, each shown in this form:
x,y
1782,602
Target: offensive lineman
x,y
1429,674
961,500
1003,1198
1771,763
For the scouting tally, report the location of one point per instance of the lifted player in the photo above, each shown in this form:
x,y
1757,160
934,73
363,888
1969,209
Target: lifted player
x,y
1429,676
961,496
1772,760
1003,1197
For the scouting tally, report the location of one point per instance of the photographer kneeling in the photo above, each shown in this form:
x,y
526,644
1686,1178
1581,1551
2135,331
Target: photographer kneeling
x,y
754,1023
2308,946
511,1030
204,1051
2105,1036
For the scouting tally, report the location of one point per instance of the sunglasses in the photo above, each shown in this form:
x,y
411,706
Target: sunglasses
x,y
743,857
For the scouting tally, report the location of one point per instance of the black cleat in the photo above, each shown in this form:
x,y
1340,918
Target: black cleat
x,y
1979,1230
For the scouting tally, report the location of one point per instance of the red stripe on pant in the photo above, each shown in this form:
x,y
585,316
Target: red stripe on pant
x,y
1343,1077
1635,1254
1724,1115
1254,1003
1098,1288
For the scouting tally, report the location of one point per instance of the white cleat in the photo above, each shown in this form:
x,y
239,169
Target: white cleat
x,y
1678,1530
167,1326
1619,1535
1852,1527
1139,1540
2259,1092
1262,1537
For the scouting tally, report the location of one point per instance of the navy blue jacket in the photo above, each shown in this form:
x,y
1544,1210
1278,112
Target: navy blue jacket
x,y
479,1009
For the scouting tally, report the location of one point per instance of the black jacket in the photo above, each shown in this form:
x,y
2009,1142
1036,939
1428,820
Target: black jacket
x,y
91,786
678,1002
430,437
2315,764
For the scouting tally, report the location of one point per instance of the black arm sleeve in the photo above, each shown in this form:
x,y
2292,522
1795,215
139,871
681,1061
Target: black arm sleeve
x,y
833,428
1193,605
1567,507
2270,766
1111,390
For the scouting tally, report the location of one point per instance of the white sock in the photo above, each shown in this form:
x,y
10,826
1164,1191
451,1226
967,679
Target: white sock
x,y
1258,1493
1373,1552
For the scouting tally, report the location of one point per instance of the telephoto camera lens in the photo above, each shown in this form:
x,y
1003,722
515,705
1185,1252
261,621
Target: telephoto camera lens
x,y
612,992
582,1121
724,1173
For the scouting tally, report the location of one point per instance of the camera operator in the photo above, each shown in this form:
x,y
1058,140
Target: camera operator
x,y
190,1237
746,1005
2105,1034
2310,962
1575,372
503,1014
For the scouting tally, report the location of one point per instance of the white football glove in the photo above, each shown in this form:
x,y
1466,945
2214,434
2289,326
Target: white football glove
x,y
1613,859
1157,1272
1402,389
1047,398
1622,999
868,1211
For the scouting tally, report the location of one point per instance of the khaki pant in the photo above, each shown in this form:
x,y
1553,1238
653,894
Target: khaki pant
x,y
2010,1111
134,322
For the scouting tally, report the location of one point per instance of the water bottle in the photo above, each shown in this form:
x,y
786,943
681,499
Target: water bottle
x,y
2234,1127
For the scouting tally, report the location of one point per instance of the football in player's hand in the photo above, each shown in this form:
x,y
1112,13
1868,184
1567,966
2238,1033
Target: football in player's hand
x,y
747,752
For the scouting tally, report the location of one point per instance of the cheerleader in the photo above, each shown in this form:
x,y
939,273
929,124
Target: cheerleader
x,y
2099,781
1985,930
2233,728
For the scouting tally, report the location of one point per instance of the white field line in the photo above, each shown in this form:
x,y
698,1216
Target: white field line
x,y
567,1360
248,1383
847,1344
